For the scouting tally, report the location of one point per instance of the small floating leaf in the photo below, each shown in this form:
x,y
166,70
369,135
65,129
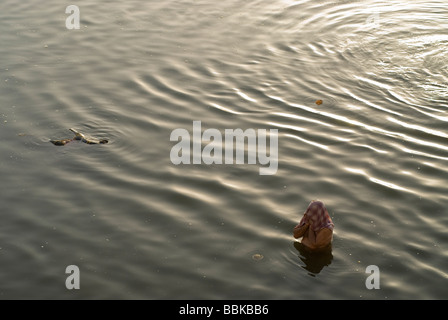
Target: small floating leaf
x,y
319,102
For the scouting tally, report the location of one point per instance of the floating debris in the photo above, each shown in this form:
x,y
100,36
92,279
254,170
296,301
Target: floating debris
x,y
78,136
257,257
319,102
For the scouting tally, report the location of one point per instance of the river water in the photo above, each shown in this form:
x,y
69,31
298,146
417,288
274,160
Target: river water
x,y
138,226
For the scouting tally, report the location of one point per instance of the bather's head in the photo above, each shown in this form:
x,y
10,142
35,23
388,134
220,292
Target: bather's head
x,y
317,215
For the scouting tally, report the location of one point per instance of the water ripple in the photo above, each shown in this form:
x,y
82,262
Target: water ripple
x,y
374,150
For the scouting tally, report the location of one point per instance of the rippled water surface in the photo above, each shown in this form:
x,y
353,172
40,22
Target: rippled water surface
x,y
140,227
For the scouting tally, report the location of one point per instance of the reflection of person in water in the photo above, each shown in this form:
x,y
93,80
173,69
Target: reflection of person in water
x,y
314,261
315,228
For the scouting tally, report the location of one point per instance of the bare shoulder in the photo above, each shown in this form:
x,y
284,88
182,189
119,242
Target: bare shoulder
x,y
326,231
324,237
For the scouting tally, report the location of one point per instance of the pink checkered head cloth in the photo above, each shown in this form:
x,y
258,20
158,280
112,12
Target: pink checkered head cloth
x,y
318,213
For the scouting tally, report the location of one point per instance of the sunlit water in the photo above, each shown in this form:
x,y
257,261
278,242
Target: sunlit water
x,y
139,227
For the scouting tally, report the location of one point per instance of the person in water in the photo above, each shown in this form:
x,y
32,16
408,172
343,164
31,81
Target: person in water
x,y
78,136
315,227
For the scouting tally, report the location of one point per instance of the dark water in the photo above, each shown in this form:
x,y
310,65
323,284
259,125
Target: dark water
x,y
139,227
